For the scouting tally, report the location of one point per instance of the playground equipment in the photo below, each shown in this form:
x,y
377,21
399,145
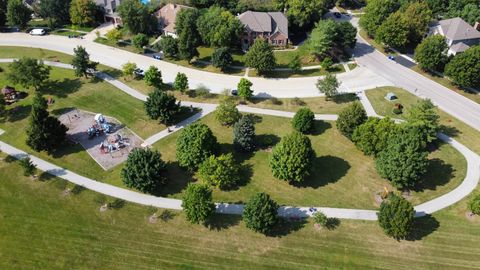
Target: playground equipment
x,y
114,143
100,126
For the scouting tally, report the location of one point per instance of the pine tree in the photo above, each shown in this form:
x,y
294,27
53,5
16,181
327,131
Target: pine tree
x,y
81,62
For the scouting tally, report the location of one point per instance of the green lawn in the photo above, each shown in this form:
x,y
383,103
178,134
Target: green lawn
x,y
41,228
451,126
342,175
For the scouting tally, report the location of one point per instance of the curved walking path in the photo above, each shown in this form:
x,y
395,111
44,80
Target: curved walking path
x,y
466,187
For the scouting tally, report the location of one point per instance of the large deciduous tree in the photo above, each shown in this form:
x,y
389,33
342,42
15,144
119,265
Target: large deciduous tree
x,y
161,106
198,203
464,68
244,134
136,17
81,62
219,28
350,118
3,12
144,170
169,46
84,12
396,216
188,36
322,38
260,213
431,53
44,132
394,31
404,161
28,72
195,144
18,14
372,136
304,13
423,116
221,172
376,12
291,159
260,56
57,11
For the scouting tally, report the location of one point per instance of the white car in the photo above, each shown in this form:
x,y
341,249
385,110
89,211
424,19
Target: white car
x,y
38,32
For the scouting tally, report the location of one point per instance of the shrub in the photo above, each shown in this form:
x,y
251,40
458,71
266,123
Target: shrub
x,y
181,82
153,77
474,204
244,88
27,166
244,134
396,216
291,159
372,136
114,35
144,170
397,110
227,113
202,91
197,203
327,63
128,69
303,120
297,102
140,41
195,144
320,218
350,118
221,171
295,64
260,213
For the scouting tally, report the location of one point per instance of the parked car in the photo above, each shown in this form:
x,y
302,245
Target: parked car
x,y
157,56
391,57
139,72
234,92
337,14
38,32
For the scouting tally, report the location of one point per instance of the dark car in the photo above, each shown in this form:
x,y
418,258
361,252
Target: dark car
x,y
157,56
337,14
234,93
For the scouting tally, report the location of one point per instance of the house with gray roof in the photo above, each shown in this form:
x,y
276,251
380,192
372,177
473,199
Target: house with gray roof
x,y
272,26
459,35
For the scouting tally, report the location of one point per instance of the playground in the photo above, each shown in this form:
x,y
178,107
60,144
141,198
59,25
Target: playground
x,y
106,140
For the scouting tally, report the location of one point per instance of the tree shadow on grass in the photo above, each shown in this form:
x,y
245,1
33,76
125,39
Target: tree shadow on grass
x,y
438,174
320,127
62,88
422,227
450,130
45,177
218,222
344,98
332,223
115,73
178,179
265,141
325,170
286,226
66,149
18,113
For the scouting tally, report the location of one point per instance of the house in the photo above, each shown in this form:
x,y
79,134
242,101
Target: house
x,y
459,35
110,7
272,26
166,17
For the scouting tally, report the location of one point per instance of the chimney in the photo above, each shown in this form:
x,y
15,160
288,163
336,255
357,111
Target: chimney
x,y
477,26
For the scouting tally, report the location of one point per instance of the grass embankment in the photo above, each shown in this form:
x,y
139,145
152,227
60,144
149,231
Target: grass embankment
x,y
451,126
43,228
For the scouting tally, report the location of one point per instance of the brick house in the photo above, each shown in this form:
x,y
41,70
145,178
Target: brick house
x,y
272,26
166,17
110,7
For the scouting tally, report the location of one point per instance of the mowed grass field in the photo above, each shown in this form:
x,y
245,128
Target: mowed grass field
x,y
341,176
451,125
42,228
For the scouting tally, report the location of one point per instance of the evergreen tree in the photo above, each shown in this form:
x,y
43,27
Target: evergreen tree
x,y
181,82
244,134
244,88
81,62
153,77
227,113
260,56
222,58
188,36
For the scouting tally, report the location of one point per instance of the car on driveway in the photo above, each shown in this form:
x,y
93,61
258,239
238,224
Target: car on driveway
x,y
38,32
